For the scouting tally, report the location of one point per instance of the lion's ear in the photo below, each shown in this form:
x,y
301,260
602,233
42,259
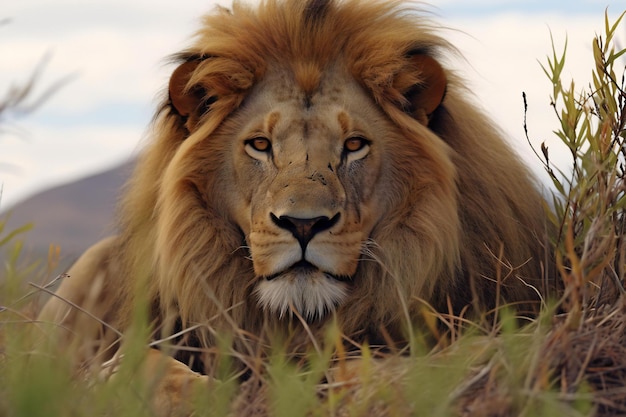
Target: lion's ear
x,y
427,95
190,101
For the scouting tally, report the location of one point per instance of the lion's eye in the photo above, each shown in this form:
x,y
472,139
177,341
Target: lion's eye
x,y
259,144
355,144
355,148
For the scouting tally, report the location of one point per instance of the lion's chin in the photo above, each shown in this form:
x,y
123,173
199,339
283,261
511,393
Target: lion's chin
x,y
309,291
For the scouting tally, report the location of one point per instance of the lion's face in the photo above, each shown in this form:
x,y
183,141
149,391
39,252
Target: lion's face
x,y
315,157
315,161
312,163
307,170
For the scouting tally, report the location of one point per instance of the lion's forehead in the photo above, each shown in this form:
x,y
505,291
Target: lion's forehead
x,y
311,122
333,83
309,135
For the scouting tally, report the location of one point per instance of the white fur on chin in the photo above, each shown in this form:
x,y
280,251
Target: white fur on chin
x,y
312,294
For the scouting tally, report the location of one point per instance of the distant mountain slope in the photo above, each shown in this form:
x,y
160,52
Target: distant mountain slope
x,y
72,216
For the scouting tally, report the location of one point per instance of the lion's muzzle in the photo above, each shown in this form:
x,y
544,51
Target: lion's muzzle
x,y
304,285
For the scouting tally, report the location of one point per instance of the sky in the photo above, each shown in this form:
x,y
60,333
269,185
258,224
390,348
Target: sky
x,y
108,58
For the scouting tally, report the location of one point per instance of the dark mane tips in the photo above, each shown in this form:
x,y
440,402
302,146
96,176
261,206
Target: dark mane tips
x,y
315,10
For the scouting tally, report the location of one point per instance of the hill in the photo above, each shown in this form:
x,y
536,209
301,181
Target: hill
x,y
72,216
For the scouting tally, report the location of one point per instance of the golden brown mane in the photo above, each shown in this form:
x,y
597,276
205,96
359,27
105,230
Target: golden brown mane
x,y
468,218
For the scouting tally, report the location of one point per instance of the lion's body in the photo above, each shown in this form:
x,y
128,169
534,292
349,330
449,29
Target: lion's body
x,y
308,164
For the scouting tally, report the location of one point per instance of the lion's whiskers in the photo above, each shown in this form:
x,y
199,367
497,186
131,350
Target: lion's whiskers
x,y
367,249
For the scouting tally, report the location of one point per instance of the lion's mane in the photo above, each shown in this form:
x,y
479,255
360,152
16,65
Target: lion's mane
x,y
468,229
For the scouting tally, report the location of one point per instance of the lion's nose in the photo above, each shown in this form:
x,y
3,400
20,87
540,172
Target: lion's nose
x,y
304,229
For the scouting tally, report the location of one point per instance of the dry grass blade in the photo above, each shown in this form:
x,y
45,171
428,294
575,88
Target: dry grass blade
x,y
21,100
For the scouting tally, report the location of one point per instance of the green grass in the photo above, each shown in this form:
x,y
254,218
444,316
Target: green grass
x,y
568,363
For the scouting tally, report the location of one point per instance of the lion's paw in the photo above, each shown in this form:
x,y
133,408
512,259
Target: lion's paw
x,y
172,384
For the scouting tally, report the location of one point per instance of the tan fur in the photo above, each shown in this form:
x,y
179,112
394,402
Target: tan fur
x,y
436,208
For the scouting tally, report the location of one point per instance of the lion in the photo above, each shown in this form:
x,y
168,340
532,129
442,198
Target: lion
x,y
312,161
